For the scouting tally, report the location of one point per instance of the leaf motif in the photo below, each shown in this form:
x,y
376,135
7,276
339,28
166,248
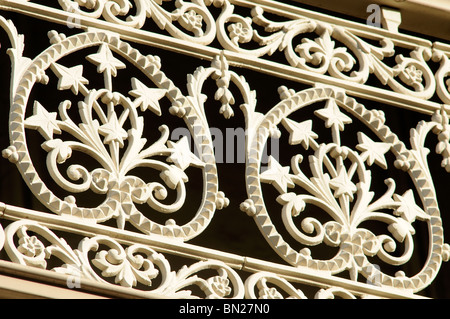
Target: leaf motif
x,y
292,202
69,78
408,208
181,155
173,176
373,151
277,175
333,116
146,98
105,60
300,133
43,121
64,151
400,229
113,131
343,185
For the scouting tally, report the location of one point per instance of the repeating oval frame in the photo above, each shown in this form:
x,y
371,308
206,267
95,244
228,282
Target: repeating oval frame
x,y
192,118
337,264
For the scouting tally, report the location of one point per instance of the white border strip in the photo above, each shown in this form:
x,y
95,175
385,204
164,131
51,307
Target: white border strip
x,y
178,248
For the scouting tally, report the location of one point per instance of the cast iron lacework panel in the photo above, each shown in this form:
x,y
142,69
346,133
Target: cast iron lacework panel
x,y
349,54
153,274
104,159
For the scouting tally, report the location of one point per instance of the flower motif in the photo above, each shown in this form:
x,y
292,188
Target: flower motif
x,y
270,293
70,78
413,75
192,20
239,33
220,286
30,246
224,95
442,130
181,155
226,110
128,269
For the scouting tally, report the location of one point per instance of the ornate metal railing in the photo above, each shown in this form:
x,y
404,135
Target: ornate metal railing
x,y
109,179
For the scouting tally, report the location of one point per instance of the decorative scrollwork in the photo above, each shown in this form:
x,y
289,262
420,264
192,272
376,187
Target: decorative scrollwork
x,y
442,76
262,280
130,266
111,131
272,286
197,24
340,185
322,55
108,126
307,43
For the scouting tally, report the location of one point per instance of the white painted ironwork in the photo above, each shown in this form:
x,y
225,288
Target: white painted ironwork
x,y
342,62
